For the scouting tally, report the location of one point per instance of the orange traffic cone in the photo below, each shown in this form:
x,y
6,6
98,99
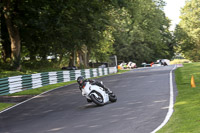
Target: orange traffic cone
x,y
192,82
119,67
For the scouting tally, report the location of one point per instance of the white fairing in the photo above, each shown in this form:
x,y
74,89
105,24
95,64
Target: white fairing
x,y
167,61
86,91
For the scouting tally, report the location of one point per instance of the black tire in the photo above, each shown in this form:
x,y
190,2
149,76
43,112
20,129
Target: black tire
x,y
97,100
112,98
89,101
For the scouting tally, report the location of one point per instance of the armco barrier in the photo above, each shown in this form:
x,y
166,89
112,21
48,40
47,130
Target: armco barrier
x,y
14,84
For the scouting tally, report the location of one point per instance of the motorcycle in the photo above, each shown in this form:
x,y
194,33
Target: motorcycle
x,y
97,94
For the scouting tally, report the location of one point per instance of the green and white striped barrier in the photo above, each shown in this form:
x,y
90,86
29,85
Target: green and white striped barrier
x,y
14,84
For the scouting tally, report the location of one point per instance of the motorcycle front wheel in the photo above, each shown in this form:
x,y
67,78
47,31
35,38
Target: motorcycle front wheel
x,y
98,100
112,97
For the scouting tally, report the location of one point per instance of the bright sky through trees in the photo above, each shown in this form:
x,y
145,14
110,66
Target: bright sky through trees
x,y
172,10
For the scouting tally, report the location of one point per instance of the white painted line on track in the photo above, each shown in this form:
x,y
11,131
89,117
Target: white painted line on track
x,y
32,98
171,103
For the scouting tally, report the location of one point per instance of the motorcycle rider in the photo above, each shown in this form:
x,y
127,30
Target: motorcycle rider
x,y
81,81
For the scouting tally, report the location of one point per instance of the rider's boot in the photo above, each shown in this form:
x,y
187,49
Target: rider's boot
x,y
108,91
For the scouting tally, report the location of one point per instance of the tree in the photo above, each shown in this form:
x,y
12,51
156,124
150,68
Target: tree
x,y
84,30
188,31
10,13
4,40
141,27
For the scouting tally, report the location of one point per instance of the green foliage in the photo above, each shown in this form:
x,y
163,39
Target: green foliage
x,y
141,27
68,29
30,68
104,48
188,31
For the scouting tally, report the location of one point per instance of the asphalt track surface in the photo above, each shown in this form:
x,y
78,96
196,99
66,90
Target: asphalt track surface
x,y
142,105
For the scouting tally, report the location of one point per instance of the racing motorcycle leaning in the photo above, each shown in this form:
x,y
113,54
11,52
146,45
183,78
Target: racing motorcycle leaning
x,y
95,93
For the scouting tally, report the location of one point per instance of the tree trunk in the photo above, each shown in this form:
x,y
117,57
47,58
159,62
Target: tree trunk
x,y
87,57
13,34
72,58
6,47
80,58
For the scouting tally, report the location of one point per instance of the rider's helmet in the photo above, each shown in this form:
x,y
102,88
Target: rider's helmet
x,y
80,80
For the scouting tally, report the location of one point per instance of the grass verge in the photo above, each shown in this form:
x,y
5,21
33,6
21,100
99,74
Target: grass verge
x,y
40,90
179,61
186,117
5,105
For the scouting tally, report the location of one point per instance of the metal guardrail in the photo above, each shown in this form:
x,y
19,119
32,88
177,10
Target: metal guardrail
x,y
19,83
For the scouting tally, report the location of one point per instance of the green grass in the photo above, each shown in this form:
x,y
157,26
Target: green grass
x,y
5,105
179,61
186,116
122,71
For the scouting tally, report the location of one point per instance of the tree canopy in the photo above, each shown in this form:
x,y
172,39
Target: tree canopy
x,y
76,32
187,33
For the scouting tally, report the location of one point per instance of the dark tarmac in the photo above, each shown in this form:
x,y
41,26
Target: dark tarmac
x,y
143,100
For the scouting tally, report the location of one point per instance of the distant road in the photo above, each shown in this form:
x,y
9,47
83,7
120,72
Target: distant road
x,y
143,100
